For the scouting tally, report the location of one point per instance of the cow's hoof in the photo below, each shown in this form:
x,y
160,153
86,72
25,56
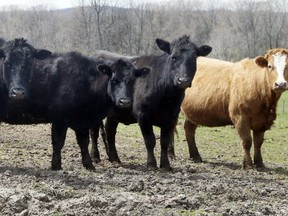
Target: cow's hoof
x,y
56,167
172,156
115,160
152,168
152,165
166,168
196,159
96,160
248,167
90,167
260,166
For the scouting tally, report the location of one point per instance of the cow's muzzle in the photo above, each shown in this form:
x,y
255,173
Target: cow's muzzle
x,y
18,93
280,86
184,82
125,103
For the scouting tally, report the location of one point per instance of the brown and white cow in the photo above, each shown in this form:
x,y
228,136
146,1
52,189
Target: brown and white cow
x,y
243,94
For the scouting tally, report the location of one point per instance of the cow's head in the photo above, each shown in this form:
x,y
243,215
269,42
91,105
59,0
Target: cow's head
x,y
276,62
181,62
122,75
16,62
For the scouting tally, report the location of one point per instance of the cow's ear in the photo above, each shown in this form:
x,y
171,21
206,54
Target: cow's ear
x,y
42,54
163,45
104,69
261,61
142,72
204,50
2,54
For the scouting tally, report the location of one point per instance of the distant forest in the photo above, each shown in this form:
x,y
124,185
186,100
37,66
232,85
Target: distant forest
x,y
244,28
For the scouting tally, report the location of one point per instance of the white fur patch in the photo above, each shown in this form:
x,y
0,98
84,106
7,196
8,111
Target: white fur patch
x,y
280,64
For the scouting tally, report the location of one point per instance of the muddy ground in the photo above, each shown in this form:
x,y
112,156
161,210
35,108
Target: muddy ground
x,y
216,187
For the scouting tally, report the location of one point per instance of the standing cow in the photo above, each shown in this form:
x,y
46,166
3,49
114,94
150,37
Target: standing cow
x,y
244,94
71,90
157,97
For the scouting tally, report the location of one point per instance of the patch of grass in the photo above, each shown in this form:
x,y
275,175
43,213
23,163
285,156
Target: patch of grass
x,y
199,212
58,213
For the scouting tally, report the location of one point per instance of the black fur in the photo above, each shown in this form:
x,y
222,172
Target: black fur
x,y
157,97
71,90
16,60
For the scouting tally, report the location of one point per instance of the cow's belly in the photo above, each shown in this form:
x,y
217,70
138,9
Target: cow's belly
x,y
209,119
24,114
26,119
208,116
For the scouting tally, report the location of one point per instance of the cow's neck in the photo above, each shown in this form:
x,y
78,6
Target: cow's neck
x,y
271,108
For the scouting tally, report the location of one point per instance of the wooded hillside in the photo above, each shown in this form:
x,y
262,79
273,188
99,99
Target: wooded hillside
x,y
244,28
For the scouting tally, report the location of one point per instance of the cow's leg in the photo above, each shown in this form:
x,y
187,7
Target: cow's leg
x,y
190,129
82,137
111,129
94,134
58,131
258,138
243,128
165,139
171,149
150,141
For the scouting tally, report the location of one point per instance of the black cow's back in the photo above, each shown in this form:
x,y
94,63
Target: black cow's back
x,y
64,85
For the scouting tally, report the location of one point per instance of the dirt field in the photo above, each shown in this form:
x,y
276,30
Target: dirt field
x,y
216,187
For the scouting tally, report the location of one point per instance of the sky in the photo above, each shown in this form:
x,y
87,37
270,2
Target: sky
x,y
58,4
29,3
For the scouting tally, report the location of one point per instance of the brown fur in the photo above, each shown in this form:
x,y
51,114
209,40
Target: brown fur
x,y
241,94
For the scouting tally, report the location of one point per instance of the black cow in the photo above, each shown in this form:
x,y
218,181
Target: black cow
x,y
157,98
16,60
71,90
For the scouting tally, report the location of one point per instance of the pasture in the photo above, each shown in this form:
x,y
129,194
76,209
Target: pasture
x,y
216,187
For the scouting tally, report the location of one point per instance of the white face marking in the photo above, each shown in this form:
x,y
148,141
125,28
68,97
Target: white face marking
x,y
280,63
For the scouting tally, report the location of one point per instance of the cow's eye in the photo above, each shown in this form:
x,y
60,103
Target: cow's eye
x,y
269,66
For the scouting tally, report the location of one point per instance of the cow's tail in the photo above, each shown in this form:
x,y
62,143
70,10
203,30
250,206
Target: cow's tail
x,y
104,137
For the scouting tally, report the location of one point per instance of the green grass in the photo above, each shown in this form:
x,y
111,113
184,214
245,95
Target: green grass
x,y
199,212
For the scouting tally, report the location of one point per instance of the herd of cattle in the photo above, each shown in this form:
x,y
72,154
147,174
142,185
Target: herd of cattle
x,y
70,90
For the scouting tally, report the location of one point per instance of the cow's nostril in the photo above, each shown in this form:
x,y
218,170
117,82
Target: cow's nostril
x,y
183,79
18,93
183,82
124,102
281,84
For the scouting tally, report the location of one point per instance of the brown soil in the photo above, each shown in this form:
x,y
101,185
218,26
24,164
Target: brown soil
x,y
29,187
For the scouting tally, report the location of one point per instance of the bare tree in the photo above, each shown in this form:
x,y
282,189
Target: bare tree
x,y
248,24
275,20
246,29
83,27
105,18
